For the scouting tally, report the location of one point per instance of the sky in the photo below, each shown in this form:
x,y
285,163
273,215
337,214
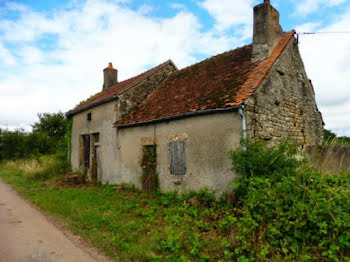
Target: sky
x,y
52,53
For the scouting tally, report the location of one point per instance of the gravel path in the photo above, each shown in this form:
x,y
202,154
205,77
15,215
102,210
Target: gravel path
x,y
26,235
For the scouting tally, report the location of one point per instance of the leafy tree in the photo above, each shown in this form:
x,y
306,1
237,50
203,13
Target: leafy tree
x,y
13,144
328,135
49,133
39,143
52,124
48,137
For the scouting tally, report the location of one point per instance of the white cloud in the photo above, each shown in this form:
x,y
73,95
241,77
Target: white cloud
x,y
178,6
306,7
228,13
327,61
86,37
6,57
309,27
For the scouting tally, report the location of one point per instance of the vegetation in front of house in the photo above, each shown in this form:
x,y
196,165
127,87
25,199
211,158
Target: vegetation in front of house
x,y
332,138
286,210
149,179
279,210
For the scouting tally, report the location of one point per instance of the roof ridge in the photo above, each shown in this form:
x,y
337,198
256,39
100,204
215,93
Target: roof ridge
x,y
147,73
226,73
209,58
93,100
259,73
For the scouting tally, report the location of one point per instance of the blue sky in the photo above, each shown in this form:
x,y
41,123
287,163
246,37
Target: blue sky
x,y
52,52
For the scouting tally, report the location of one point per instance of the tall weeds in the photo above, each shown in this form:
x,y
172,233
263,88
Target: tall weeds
x,y
43,167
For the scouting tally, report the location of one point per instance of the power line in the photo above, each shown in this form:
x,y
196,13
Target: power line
x,y
316,33
321,33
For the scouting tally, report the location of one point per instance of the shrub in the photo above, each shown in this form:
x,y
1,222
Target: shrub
x,y
13,144
287,210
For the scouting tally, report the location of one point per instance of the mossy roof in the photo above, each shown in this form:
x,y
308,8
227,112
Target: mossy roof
x,y
222,81
116,89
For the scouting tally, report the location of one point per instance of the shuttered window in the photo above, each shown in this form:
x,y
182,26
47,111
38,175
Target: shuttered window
x,y
177,154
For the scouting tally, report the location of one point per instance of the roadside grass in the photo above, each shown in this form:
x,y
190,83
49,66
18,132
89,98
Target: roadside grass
x,y
280,210
127,224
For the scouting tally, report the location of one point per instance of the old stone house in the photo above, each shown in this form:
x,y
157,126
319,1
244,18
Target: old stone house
x,y
194,116
94,140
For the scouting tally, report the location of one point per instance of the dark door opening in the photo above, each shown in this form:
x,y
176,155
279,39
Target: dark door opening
x,y
86,139
96,163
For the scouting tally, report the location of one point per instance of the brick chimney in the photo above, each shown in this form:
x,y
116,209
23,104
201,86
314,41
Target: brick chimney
x,y
110,76
267,30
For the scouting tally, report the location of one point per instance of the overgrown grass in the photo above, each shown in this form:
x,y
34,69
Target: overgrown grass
x,y
280,210
42,167
128,224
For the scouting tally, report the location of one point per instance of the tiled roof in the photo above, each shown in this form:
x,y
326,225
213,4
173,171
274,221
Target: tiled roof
x,y
223,81
115,90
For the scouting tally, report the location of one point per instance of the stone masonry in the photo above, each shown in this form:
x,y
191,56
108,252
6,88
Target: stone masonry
x,y
284,105
131,97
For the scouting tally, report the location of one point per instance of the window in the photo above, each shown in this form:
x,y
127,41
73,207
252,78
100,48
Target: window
x,y
177,161
89,116
96,137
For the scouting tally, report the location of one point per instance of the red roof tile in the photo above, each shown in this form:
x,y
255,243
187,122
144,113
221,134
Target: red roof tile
x,y
225,80
116,89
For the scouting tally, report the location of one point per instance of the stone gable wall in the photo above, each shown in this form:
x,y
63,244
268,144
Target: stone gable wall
x,y
132,97
284,105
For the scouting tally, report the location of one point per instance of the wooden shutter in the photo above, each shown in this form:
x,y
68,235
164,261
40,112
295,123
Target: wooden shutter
x,y
177,154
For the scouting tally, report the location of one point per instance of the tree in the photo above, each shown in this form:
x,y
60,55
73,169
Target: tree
x,y
13,144
54,125
49,132
328,135
48,137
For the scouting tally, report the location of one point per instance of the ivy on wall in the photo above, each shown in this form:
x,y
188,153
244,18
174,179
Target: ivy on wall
x,y
149,179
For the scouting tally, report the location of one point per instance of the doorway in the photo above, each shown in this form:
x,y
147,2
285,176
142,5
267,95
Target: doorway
x,y
86,141
97,171
150,182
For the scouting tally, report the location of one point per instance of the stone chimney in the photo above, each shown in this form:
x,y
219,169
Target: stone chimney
x,y
110,76
267,30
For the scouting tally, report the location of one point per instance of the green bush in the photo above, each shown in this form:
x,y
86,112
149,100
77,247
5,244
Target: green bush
x,y
50,135
13,144
286,210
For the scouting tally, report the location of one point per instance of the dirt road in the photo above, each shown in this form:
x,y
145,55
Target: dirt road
x,y
26,235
